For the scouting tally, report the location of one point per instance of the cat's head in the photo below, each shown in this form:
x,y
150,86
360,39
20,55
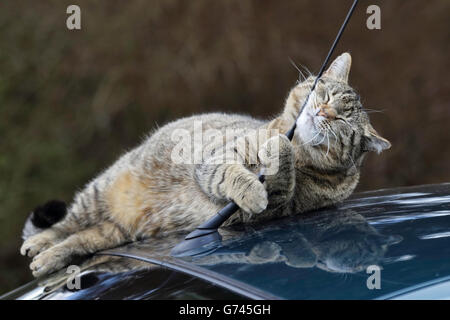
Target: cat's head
x,y
334,127
353,252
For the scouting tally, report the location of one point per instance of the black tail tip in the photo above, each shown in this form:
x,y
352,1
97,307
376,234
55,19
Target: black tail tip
x,y
48,214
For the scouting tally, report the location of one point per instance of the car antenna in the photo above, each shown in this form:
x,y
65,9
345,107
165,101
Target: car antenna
x,y
206,237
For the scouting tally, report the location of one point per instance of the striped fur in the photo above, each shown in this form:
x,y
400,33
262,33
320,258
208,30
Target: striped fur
x,y
146,193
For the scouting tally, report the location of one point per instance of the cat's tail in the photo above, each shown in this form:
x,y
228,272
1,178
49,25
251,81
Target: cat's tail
x,y
44,217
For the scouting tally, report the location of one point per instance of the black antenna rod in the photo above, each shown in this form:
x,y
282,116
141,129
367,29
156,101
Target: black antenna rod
x,y
209,227
290,133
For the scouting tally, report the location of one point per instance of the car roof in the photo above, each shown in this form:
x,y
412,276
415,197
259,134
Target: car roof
x,y
385,244
400,237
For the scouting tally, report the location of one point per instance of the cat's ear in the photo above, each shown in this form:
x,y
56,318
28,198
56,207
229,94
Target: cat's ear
x,y
340,68
372,141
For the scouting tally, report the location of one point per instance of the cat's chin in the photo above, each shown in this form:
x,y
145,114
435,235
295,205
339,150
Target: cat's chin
x,y
333,267
307,130
311,137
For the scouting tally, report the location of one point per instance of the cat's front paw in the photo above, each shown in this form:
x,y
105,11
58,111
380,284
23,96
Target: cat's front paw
x,y
36,244
253,198
48,261
276,153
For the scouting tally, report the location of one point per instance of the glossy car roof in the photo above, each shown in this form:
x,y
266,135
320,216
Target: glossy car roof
x,y
401,235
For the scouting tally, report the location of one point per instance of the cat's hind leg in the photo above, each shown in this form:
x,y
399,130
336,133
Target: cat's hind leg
x,y
88,241
39,222
39,242
86,210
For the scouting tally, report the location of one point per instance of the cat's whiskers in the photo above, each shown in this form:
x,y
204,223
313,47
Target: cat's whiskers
x,y
335,136
328,142
320,140
368,110
312,138
302,76
307,70
374,111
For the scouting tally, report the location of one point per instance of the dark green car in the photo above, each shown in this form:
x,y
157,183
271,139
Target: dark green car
x,y
387,244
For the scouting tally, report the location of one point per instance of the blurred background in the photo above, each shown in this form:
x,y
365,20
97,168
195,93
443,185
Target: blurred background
x,y
72,101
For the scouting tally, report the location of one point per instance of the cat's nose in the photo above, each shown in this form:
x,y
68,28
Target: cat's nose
x,y
327,112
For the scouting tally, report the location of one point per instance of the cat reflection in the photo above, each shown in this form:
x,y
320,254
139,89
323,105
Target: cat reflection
x,y
339,243
343,243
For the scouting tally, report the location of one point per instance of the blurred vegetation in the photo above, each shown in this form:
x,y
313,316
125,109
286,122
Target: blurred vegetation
x,y
72,101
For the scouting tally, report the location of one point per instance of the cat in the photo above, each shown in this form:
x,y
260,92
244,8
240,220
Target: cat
x,y
146,193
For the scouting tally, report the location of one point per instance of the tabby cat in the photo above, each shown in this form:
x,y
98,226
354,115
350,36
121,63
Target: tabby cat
x,y
147,193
